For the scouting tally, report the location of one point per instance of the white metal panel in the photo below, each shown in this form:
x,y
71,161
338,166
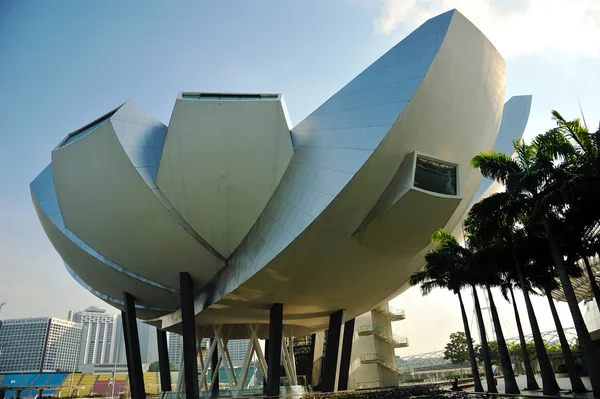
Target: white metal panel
x,y
322,150
514,120
98,275
221,162
108,204
324,269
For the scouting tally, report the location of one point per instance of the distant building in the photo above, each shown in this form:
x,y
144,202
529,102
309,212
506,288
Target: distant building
x,y
39,344
119,355
148,342
98,335
237,350
175,344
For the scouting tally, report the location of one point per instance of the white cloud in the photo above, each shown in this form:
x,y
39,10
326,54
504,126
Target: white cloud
x,y
514,27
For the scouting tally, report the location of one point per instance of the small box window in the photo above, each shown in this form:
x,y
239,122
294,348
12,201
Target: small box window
x,y
438,177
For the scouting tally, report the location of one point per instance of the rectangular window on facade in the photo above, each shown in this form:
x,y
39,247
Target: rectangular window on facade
x,y
436,176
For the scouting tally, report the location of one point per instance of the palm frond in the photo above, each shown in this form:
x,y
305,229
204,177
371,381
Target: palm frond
x,y
495,165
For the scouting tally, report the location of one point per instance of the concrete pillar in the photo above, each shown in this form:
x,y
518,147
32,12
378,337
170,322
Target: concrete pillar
x,y
317,358
2,393
18,394
332,355
215,372
163,361
132,348
40,393
275,339
188,322
311,362
345,357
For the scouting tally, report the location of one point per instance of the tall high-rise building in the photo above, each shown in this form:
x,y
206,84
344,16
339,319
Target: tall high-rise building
x,y
39,344
237,350
148,342
98,335
175,344
119,354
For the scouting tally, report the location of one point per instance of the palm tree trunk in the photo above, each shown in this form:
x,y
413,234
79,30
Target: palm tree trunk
x,y
487,362
576,383
510,383
592,278
592,359
549,384
474,369
531,381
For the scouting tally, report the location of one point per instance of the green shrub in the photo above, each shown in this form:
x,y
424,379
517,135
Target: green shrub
x,y
412,379
561,368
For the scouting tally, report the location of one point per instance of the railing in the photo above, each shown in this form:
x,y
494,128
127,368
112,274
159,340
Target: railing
x,y
392,339
377,358
391,313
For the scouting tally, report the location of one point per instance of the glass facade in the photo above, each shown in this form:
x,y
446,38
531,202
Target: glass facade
x,y
229,97
435,176
87,129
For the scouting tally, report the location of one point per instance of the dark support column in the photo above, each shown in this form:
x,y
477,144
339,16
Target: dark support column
x,y
40,393
274,359
125,339
163,361
18,394
215,371
2,393
188,326
345,358
132,348
267,362
334,332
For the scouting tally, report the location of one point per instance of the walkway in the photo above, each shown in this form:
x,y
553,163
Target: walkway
x,y
563,383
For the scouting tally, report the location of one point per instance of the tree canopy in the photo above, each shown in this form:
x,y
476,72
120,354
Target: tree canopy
x,y
457,350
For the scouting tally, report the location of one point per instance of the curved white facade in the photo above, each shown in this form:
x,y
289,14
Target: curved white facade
x,y
334,214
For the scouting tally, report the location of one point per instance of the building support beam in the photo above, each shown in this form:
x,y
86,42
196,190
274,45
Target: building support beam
x,y
180,386
214,366
332,356
188,326
258,350
203,365
311,362
163,361
132,348
346,353
274,351
317,359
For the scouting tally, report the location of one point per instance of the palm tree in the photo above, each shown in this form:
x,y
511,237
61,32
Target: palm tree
x,y
485,350
531,381
584,240
486,270
542,275
553,175
444,269
499,216
576,383
566,172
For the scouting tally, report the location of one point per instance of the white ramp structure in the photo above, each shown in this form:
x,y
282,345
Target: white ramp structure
x,y
230,218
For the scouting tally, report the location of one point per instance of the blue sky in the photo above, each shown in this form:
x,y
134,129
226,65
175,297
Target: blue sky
x,y
65,63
